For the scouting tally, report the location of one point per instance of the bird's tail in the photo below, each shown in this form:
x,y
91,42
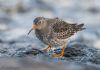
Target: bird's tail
x,y
80,27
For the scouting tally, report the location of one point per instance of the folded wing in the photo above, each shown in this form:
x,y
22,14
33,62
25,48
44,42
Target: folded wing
x,y
63,30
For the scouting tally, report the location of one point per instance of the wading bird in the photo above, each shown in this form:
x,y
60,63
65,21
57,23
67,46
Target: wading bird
x,y
54,32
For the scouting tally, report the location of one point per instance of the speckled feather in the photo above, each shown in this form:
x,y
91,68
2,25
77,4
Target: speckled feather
x,y
64,30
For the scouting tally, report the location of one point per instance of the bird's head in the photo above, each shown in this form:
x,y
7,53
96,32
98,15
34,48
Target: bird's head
x,y
38,23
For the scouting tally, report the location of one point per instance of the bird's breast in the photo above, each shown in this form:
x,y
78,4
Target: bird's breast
x,y
42,36
49,39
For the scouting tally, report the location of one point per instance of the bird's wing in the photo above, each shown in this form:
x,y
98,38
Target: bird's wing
x,y
63,30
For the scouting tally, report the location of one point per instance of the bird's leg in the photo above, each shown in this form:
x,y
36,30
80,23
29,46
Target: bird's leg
x,y
47,49
61,54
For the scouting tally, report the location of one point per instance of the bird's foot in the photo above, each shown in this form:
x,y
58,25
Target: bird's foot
x,y
47,49
60,55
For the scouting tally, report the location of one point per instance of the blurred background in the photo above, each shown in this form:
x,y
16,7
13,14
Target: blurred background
x,y
16,18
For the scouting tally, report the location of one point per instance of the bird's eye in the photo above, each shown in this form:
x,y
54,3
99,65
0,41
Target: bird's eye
x,y
40,22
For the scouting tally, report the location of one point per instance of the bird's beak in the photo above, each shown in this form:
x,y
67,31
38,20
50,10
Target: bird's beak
x,y
33,27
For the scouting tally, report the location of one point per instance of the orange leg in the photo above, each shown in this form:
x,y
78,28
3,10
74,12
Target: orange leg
x,y
61,54
47,49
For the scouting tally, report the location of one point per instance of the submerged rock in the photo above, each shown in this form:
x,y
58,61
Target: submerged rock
x,y
82,53
76,57
75,53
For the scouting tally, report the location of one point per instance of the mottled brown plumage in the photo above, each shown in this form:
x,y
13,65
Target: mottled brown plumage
x,y
55,32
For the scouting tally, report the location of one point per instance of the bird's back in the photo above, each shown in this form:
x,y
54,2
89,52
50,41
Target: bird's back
x,y
62,30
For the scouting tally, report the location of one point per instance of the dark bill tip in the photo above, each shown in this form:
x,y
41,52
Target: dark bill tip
x,y
30,31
